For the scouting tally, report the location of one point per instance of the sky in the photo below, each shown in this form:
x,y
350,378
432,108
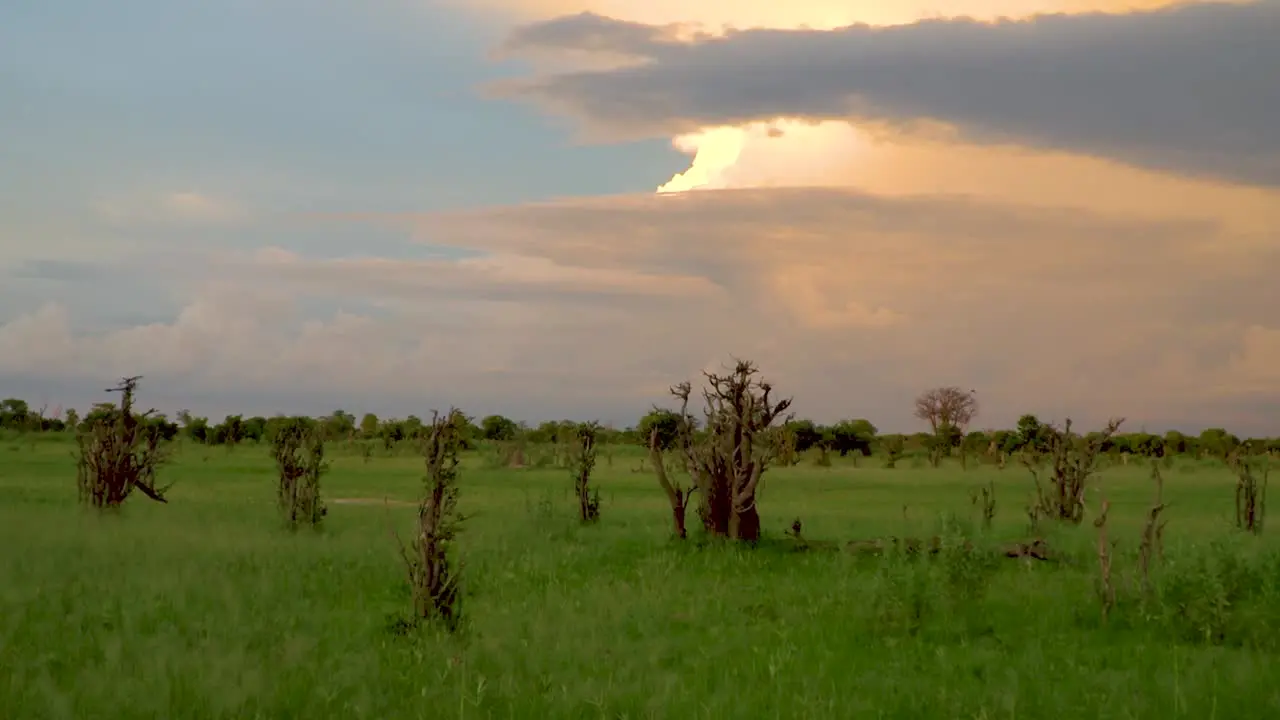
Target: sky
x,y
559,208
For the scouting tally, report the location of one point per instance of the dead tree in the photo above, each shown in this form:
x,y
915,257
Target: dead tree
x,y
298,449
584,461
738,444
1251,490
947,406
1106,588
433,574
119,453
984,498
1072,460
1152,544
678,496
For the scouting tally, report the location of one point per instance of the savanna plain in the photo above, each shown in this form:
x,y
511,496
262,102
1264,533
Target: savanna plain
x,y
205,607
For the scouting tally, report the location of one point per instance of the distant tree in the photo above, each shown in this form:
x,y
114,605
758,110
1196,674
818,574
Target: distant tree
x,y
339,425
1146,444
1032,434
198,430
413,428
101,412
894,446
1218,442
667,423
1175,443
947,406
230,431
807,434
498,427
547,432
73,419
609,435
1254,446
856,436
14,414
255,428
945,439
391,432
160,425
369,426
975,443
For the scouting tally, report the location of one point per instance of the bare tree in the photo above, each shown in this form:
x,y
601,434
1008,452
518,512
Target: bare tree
x,y
433,573
119,453
1071,460
584,462
1152,533
677,495
727,461
1251,489
947,406
298,449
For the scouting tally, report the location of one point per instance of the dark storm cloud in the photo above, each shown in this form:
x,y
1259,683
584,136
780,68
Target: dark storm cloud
x,y
1193,88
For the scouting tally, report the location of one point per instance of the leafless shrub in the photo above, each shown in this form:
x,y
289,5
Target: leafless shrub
x,y
677,495
433,575
1251,489
1152,544
740,442
1033,515
984,499
1071,461
894,447
1106,588
298,449
119,453
584,461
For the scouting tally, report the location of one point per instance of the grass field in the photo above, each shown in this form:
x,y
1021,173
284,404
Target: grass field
x,y
205,608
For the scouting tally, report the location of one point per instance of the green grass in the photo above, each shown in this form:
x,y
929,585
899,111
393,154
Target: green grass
x,y
205,608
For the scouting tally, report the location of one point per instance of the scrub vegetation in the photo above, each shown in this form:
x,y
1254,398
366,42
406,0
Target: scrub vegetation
x,y
492,569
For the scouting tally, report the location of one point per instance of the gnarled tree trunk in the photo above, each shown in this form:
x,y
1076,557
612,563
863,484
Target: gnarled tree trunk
x,y
676,495
728,459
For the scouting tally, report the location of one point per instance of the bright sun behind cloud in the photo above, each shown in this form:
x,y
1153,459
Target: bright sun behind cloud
x,y
797,153
933,157
715,15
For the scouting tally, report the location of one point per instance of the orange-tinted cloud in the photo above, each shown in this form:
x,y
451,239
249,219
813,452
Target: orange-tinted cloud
x,y
712,15
1051,281
852,302
836,154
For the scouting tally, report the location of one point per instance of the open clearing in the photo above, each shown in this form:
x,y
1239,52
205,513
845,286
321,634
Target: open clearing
x,y
206,608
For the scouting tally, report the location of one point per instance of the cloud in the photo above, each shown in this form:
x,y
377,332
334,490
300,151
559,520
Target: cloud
x,y
718,15
1256,366
1187,89
73,271
185,207
836,154
590,308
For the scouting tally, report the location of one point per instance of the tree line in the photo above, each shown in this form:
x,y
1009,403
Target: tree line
x,y
946,436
